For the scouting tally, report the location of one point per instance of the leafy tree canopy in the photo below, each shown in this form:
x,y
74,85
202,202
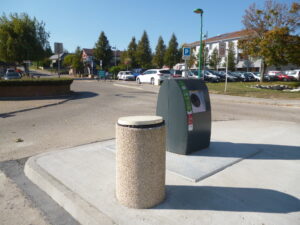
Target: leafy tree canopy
x,y
74,61
214,59
270,33
172,55
22,38
231,57
131,52
103,51
160,50
143,52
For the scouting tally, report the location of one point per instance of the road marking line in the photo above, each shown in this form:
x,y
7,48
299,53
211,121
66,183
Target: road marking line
x,y
126,86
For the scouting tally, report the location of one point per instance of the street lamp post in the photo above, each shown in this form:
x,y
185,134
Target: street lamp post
x,y
115,51
200,11
226,69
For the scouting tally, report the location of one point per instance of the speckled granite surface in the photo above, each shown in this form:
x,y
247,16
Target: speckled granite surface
x,y
140,166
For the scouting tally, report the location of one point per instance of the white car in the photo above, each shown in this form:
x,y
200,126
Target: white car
x,y
273,73
294,73
125,75
10,71
255,75
153,76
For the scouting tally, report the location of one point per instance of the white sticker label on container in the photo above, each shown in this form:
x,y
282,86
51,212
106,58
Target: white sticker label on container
x,y
198,101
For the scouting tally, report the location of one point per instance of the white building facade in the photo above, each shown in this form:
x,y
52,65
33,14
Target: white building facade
x,y
221,43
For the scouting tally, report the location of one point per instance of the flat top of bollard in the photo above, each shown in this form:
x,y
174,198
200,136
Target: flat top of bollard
x,y
139,120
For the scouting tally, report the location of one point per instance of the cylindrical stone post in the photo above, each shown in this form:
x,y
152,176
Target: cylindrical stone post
x,y
140,161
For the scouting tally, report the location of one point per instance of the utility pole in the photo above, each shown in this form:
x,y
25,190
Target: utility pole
x,y
226,53
58,64
200,11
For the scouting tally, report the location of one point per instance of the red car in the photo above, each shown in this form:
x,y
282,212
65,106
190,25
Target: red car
x,y
176,73
284,77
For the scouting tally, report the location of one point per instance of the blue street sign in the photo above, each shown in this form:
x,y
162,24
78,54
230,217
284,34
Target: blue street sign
x,y
101,73
186,51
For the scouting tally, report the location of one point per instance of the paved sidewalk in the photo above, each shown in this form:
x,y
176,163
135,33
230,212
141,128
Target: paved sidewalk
x,y
260,189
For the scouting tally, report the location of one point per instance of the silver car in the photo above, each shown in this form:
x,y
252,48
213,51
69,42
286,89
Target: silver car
x,y
125,75
12,76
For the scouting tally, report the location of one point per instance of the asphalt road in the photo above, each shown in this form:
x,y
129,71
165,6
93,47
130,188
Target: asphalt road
x,y
90,114
29,127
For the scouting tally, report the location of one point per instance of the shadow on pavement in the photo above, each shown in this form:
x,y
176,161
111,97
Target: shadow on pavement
x,y
229,199
124,96
71,97
237,150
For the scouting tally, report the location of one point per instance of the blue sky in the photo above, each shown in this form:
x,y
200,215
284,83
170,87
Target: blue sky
x,y
79,23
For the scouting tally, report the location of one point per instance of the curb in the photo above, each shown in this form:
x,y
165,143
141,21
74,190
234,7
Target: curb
x,y
83,212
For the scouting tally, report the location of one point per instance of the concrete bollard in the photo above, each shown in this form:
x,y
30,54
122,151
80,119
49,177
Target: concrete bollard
x,y
140,161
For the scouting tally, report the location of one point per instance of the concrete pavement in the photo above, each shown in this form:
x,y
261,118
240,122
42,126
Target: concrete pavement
x,y
259,189
88,116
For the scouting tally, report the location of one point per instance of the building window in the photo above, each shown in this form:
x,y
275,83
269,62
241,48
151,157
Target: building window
x,y
222,47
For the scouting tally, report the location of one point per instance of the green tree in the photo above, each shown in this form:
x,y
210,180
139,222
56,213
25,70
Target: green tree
x,y
143,52
77,62
103,51
22,38
172,55
193,59
68,60
45,62
123,57
160,50
205,57
214,59
231,57
126,61
131,53
274,20
116,69
74,61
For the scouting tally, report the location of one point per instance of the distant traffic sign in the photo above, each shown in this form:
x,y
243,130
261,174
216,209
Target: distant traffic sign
x,y
58,48
101,73
186,53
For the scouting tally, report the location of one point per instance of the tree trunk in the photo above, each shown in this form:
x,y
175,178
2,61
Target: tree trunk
x,y
26,69
262,70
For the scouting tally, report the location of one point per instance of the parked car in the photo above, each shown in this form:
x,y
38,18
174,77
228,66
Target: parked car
x,y
125,75
252,76
11,76
138,71
294,73
176,73
230,78
256,76
220,75
239,76
273,72
273,75
153,76
10,70
210,76
266,77
193,74
284,77
20,71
